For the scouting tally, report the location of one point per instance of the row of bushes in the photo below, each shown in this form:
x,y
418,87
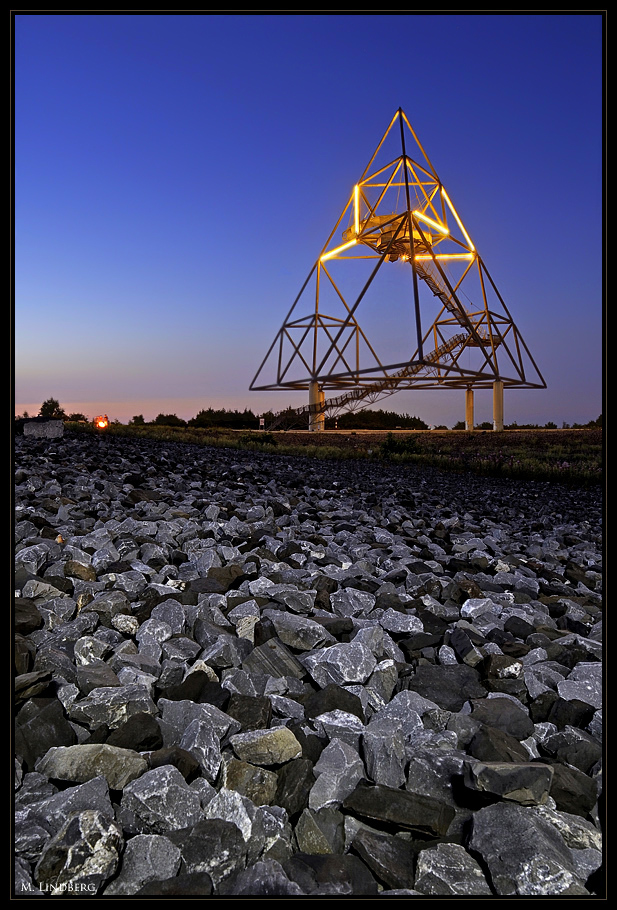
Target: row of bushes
x,y
221,418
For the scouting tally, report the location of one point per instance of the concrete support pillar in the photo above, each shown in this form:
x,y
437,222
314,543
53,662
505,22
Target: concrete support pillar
x,y
469,409
498,405
317,421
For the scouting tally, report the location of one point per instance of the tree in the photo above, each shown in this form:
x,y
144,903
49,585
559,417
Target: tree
x,y
137,421
78,418
169,420
51,409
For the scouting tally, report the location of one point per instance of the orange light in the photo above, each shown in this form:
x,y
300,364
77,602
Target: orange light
x,y
458,220
429,221
445,256
338,249
101,422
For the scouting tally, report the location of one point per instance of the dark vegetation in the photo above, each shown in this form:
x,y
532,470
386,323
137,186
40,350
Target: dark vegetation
x,y
571,455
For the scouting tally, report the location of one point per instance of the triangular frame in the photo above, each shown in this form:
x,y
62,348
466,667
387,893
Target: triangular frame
x,y
464,347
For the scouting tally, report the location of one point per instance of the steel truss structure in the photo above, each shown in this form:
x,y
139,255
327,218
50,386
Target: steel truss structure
x,y
401,255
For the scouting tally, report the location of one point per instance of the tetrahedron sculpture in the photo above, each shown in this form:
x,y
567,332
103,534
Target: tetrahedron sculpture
x,y
398,298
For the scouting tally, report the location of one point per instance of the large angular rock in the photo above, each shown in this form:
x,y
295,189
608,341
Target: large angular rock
x,y
273,658
266,747
259,784
41,818
320,831
160,801
584,684
525,855
449,869
146,858
81,763
503,713
211,846
299,632
340,664
112,706
383,742
338,771
391,859
294,782
331,875
450,687
527,783
265,878
41,725
177,716
81,856
414,812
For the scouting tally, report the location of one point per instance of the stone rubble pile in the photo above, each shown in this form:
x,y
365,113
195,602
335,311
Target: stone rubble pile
x,y
240,673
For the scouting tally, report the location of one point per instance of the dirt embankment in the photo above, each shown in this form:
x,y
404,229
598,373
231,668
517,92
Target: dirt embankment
x,y
451,439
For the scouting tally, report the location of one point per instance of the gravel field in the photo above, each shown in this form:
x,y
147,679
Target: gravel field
x,y
240,673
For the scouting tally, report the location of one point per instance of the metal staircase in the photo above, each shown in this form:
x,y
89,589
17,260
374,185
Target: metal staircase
x,y
361,397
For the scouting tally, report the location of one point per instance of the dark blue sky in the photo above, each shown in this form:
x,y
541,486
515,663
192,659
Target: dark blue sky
x,y
176,176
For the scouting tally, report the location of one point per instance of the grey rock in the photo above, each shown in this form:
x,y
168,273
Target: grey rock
x,y
449,869
338,771
295,780
341,725
340,664
578,833
435,772
243,591
146,858
526,783
299,632
391,859
112,705
320,831
229,805
81,763
415,812
49,814
503,713
383,742
201,741
351,602
258,784
449,686
524,854
263,879
176,717
81,856
266,747
160,801
273,658
573,747
584,683
321,875
212,846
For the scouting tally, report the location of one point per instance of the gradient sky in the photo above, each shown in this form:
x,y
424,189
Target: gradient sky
x,y
176,176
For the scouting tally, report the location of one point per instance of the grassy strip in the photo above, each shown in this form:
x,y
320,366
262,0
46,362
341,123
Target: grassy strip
x,y
529,456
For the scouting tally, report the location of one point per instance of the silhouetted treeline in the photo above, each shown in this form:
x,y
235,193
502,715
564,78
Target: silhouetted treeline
x,y
375,420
